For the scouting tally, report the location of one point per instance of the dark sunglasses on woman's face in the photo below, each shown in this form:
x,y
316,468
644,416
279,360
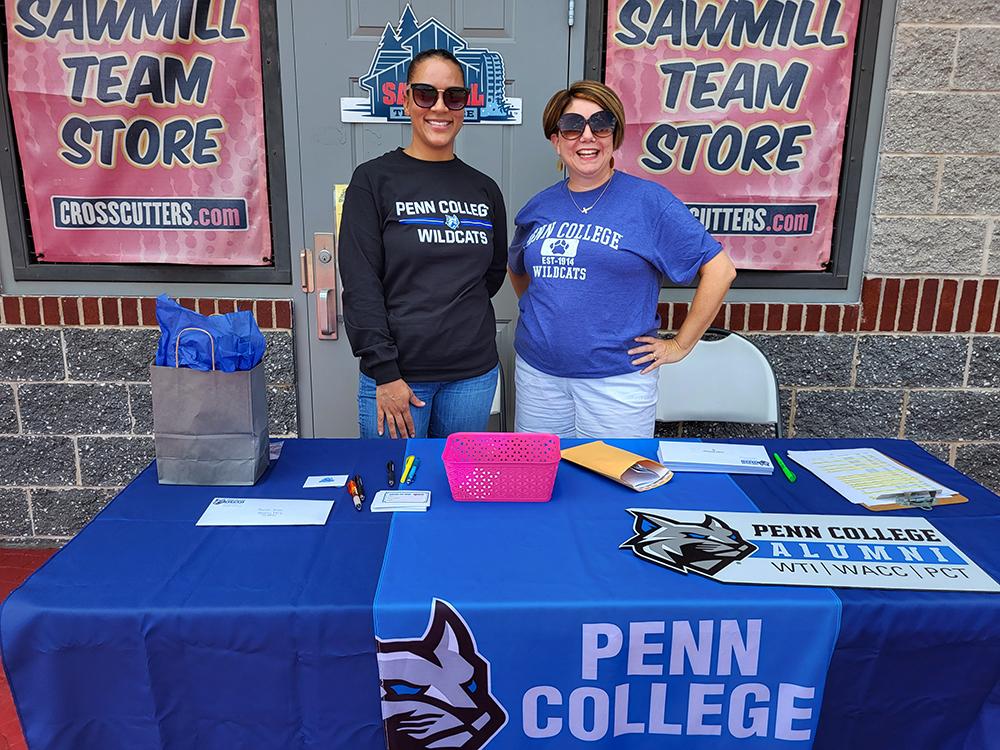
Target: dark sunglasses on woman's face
x,y
425,96
571,125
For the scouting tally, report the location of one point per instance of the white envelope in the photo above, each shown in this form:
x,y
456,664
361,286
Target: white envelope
x,y
263,511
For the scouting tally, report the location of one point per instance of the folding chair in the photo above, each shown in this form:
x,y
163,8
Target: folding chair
x,y
725,378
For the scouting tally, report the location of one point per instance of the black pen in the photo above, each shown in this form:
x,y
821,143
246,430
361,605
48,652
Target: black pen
x,y
360,486
390,474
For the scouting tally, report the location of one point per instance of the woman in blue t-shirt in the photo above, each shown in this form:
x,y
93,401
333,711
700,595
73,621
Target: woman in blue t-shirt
x,y
587,261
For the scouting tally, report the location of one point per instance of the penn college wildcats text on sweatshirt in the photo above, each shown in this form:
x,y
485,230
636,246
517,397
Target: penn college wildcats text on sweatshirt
x,y
423,248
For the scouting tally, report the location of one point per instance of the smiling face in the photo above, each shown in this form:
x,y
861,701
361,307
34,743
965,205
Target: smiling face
x,y
588,158
434,129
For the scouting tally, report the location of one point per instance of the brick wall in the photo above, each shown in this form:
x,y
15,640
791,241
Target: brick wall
x,y
75,408
919,357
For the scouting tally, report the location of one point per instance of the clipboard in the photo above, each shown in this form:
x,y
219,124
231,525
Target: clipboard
x,y
619,465
953,500
916,504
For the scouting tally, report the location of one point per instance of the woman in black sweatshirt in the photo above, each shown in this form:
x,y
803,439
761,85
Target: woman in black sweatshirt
x,y
423,248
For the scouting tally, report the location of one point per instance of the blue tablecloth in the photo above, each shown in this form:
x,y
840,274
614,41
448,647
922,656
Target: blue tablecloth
x,y
526,620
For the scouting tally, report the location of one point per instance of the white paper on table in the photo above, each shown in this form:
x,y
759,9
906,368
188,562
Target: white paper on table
x,y
726,458
638,476
864,475
325,480
400,500
263,511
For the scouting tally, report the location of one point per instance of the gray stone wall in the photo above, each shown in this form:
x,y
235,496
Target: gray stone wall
x,y
937,212
938,194
76,421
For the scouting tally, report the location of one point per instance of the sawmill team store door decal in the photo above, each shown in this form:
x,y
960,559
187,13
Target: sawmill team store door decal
x,y
385,81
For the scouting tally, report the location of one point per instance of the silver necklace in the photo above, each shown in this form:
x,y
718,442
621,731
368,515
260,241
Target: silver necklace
x,y
588,208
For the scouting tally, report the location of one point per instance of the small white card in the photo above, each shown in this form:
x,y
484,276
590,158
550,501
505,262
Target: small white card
x,y
327,480
263,511
400,500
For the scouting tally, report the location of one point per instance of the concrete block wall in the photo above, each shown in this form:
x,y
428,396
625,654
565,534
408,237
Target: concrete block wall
x,y
75,407
938,194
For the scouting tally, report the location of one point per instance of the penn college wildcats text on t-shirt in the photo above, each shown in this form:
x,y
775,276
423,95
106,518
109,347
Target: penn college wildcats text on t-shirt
x,y
560,243
447,221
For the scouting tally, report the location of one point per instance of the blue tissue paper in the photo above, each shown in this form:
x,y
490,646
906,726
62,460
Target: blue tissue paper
x,y
238,342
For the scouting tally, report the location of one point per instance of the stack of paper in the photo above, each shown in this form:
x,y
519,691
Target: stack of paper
x,y
388,501
714,458
641,477
867,477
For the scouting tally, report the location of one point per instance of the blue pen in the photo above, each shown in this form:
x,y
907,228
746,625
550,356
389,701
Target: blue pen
x,y
413,470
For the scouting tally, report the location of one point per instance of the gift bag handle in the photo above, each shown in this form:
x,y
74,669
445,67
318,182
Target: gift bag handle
x,y
177,344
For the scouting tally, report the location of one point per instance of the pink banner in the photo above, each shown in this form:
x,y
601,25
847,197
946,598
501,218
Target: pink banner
x,y
140,127
739,106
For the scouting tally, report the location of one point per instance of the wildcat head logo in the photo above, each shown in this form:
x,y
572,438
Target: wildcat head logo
x,y
436,688
451,221
704,548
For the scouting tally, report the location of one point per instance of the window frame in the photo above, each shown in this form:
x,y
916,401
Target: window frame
x,y
837,276
27,268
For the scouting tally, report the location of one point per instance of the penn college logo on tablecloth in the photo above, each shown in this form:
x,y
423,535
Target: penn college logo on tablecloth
x,y
436,688
385,81
798,549
704,547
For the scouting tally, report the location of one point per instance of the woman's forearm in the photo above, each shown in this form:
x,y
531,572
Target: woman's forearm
x,y
715,277
519,281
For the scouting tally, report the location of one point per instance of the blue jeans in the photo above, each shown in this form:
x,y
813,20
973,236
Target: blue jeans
x,y
450,406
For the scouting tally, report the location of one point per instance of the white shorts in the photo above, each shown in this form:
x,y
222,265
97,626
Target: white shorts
x,y
620,406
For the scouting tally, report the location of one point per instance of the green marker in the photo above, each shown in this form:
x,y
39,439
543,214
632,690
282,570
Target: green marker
x,y
784,469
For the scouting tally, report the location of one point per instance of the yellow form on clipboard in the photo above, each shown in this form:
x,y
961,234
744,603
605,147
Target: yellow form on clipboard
x,y
870,478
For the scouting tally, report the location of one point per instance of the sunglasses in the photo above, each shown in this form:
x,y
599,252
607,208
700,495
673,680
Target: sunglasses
x,y
571,125
425,96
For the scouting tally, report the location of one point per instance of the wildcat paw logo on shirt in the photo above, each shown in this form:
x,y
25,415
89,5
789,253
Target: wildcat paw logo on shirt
x,y
436,689
686,547
560,247
385,81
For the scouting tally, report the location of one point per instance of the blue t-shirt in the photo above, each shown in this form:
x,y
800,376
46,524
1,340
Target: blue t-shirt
x,y
595,277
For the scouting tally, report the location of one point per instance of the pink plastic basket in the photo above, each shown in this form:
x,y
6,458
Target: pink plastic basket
x,y
501,466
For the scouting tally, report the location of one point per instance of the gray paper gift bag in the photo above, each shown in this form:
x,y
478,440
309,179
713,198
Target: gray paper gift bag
x,y
210,427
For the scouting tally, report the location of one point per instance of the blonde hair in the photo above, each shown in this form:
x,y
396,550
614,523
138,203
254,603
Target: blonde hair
x,y
592,91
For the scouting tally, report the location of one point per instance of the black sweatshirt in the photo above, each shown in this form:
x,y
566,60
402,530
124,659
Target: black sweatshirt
x,y
423,248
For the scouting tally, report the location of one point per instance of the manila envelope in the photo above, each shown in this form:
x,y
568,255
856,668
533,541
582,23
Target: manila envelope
x,y
615,463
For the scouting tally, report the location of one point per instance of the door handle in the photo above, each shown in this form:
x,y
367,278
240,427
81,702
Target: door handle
x,y
324,278
326,313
